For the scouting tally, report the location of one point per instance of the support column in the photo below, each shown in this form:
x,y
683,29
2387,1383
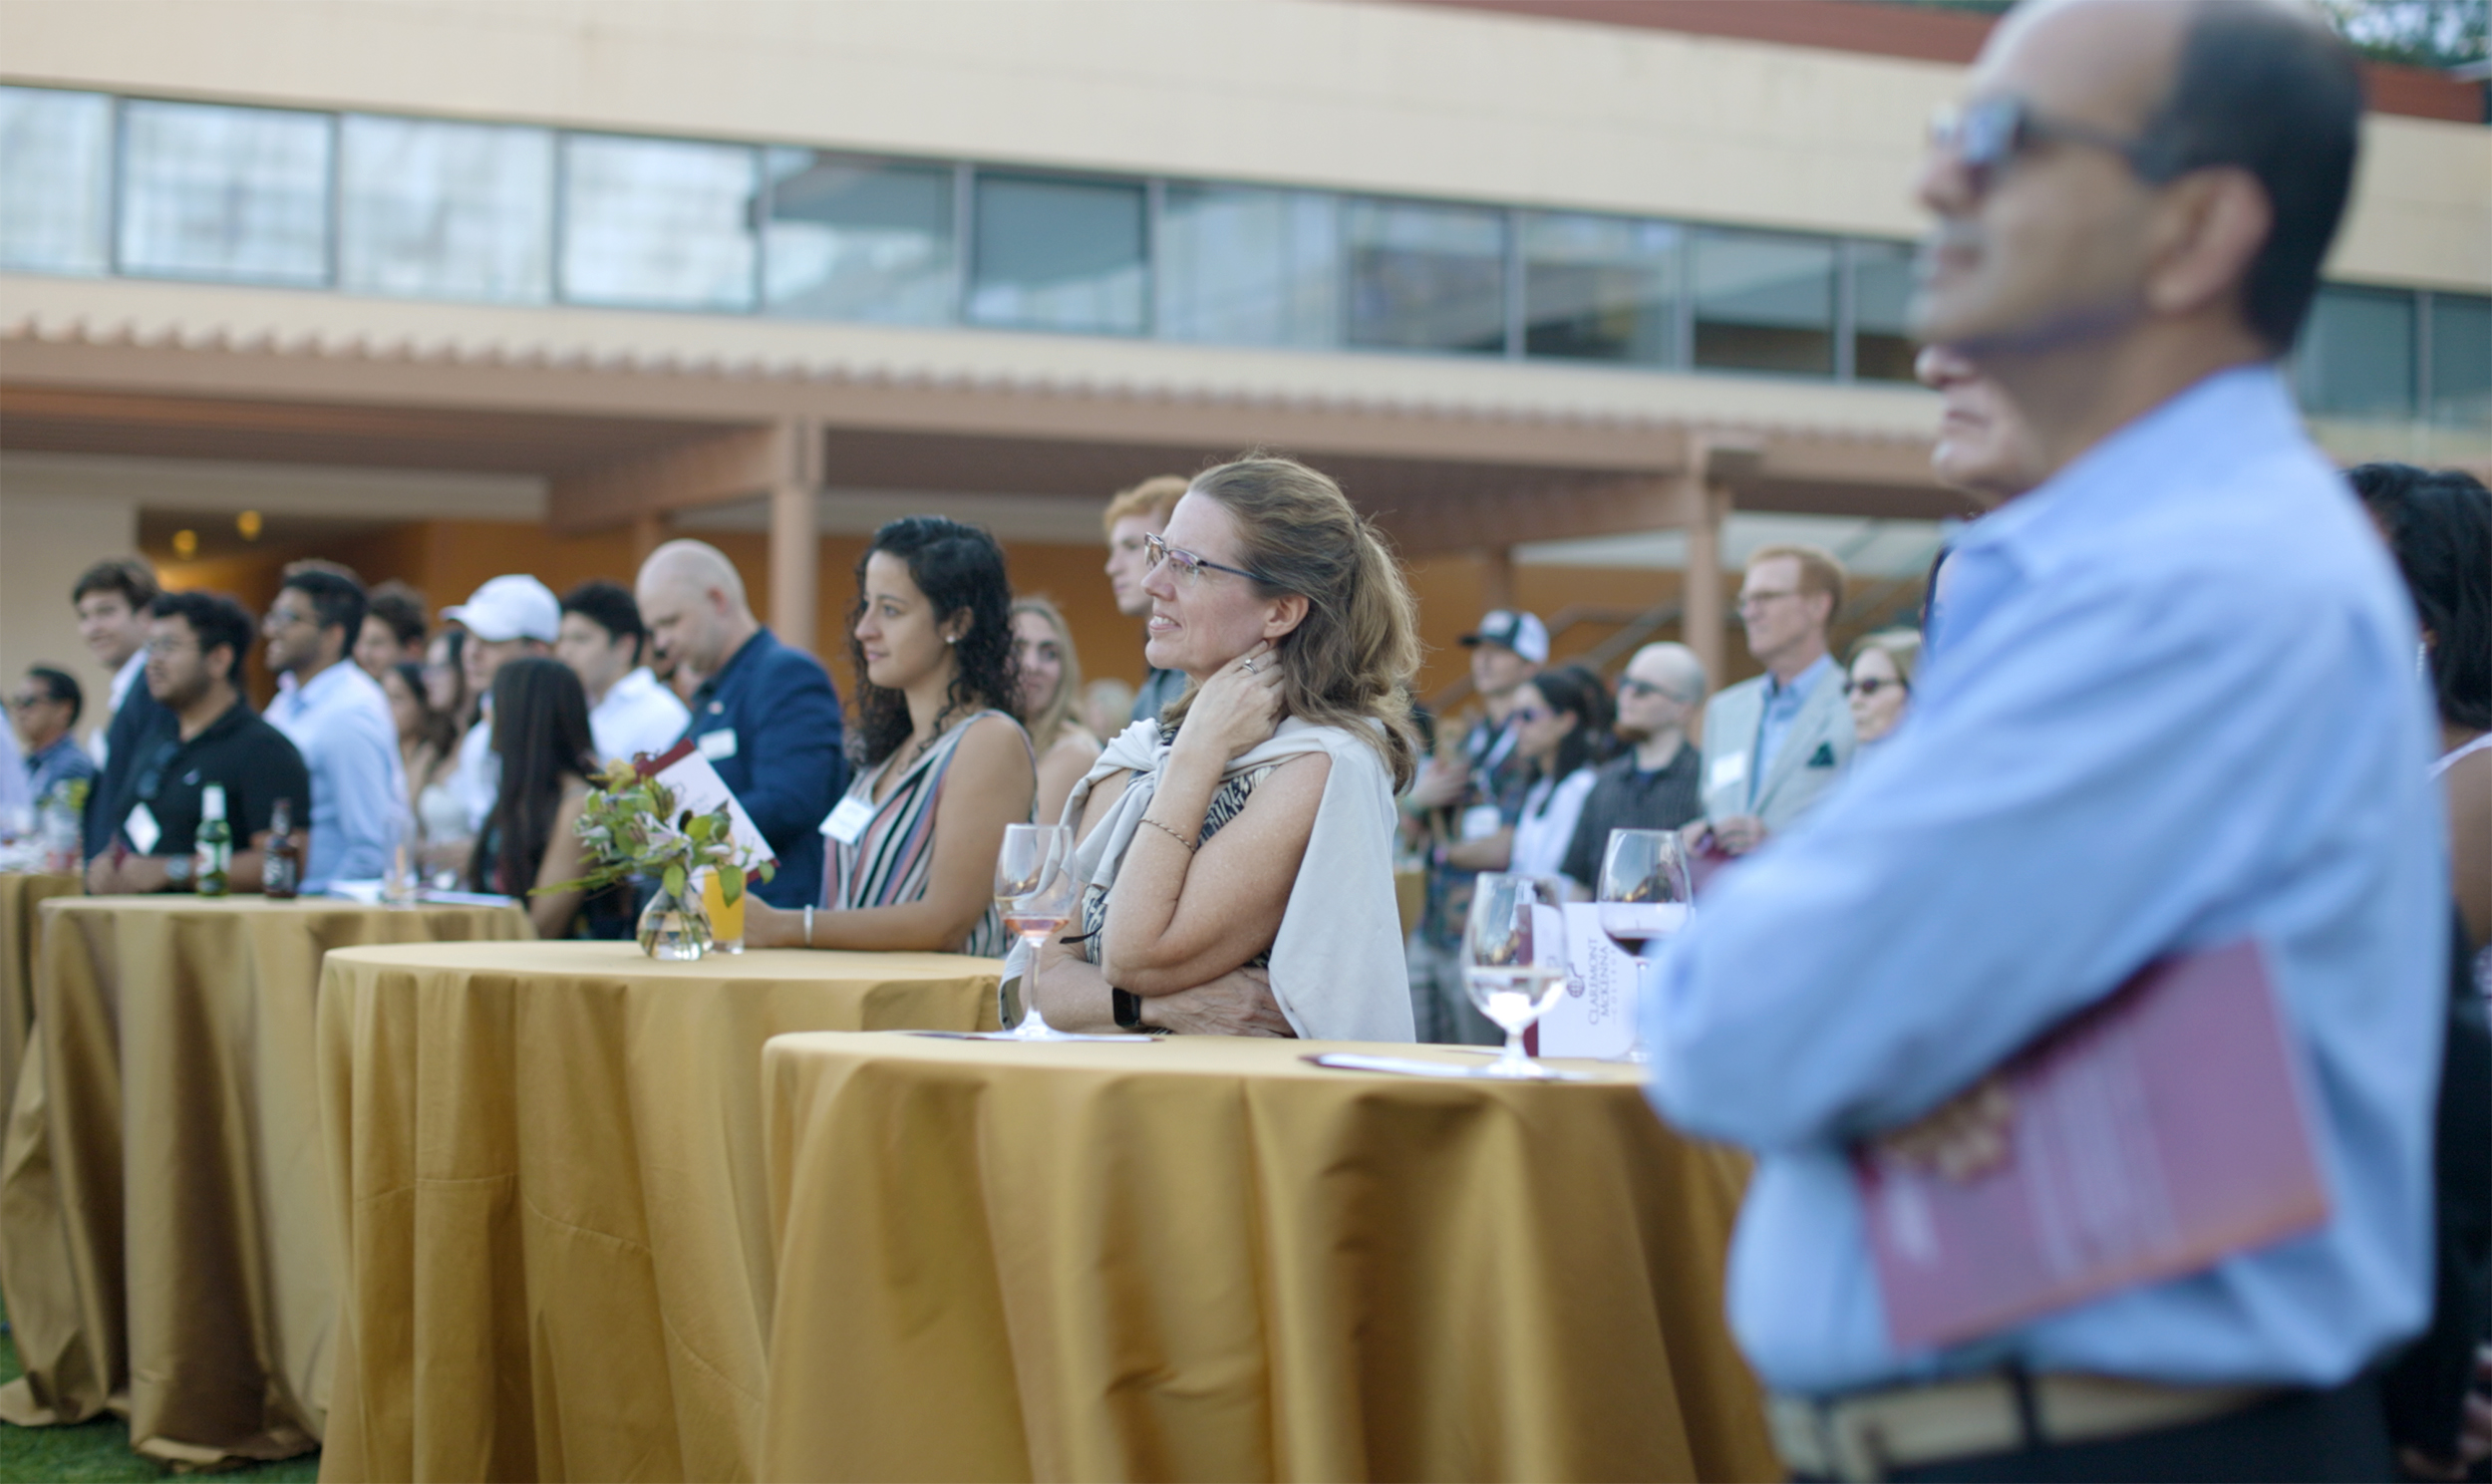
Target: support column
x,y
649,532
1703,507
795,543
1496,578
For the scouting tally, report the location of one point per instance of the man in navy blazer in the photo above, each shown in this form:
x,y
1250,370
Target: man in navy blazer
x,y
766,715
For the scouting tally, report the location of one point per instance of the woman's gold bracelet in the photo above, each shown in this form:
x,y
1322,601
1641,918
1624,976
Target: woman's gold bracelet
x,y
1170,834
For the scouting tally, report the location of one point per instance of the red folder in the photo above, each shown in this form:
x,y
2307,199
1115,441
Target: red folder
x,y
2154,1134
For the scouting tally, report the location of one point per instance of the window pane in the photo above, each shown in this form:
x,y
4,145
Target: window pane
x,y
656,223
56,173
1881,304
1599,288
856,241
1764,303
220,192
2461,360
1427,277
2356,357
1240,265
1059,255
449,210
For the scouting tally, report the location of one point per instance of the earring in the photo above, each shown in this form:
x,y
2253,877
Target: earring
x,y
951,639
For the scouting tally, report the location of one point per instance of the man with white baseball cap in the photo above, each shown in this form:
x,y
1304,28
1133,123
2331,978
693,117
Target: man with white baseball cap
x,y
508,617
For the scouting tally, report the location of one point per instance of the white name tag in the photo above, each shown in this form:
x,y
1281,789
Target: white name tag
x,y
717,744
143,830
847,822
1729,771
1479,821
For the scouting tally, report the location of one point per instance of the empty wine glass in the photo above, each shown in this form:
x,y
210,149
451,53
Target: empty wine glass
x,y
1036,893
1514,959
1644,898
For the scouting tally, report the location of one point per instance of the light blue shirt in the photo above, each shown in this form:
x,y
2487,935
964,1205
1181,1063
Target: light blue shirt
x,y
2172,704
1773,719
341,724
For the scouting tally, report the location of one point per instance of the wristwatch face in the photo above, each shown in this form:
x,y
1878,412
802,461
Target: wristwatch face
x,y
177,870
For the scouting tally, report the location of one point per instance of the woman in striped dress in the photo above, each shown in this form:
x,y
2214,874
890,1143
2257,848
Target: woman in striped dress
x,y
942,765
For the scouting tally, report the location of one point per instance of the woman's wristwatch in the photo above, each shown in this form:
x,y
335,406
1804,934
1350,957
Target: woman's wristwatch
x,y
1128,1009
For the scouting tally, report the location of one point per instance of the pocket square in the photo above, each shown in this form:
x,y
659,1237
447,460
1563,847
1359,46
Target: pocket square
x,y
1823,757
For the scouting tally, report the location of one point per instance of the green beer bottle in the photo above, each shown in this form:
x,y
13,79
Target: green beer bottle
x,y
215,843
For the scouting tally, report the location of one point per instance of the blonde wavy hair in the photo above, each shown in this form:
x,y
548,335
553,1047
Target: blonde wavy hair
x,y
1049,724
1352,659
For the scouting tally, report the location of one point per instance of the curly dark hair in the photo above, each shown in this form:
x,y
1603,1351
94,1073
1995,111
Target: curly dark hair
x,y
2439,527
958,567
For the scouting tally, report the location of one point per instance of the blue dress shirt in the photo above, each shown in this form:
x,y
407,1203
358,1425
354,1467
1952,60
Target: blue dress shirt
x,y
2172,704
779,754
57,764
340,722
1774,717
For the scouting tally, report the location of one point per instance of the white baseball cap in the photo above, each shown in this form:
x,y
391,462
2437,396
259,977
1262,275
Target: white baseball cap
x,y
1522,633
512,606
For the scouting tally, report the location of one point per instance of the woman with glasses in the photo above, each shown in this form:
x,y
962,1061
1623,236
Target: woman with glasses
x,y
1051,686
1880,682
1236,855
1563,728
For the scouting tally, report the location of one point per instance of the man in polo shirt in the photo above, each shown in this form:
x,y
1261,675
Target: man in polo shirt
x,y
602,639
766,715
339,719
508,617
1653,784
207,733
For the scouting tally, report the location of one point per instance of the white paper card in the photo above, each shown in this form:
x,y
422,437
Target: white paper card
x,y
847,822
1729,771
717,744
143,830
698,787
1596,1016
1479,821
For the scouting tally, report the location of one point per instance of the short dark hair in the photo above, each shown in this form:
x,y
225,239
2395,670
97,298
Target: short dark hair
x,y
608,605
60,686
216,619
402,609
2278,95
337,598
134,579
2439,525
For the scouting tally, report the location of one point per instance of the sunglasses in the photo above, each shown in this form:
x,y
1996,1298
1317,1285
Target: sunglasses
x,y
1190,567
1987,136
1872,686
1629,686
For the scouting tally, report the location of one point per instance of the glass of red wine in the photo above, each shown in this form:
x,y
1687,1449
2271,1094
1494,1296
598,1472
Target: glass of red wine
x,y
1644,899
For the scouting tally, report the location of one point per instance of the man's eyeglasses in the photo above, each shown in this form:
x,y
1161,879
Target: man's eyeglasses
x,y
1190,567
1873,684
29,699
1748,601
1987,135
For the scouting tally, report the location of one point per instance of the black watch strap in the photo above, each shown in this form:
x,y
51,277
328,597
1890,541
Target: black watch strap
x,y
1128,1007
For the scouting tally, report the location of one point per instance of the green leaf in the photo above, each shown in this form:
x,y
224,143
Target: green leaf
x,y
675,881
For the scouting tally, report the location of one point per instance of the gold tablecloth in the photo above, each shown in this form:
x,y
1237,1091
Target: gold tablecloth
x,y
1205,1258
21,932
548,1166
164,1232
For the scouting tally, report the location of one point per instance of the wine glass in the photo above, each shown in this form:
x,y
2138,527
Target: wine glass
x,y
1035,892
1644,898
1514,959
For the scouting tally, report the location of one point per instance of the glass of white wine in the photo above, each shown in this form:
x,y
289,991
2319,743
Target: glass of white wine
x,y
1036,893
1514,959
1643,896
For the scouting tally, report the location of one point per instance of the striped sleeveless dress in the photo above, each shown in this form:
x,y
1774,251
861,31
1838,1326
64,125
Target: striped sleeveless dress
x,y
892,857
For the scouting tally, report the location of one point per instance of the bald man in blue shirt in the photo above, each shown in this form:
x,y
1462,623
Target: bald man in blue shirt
x,y
2171,704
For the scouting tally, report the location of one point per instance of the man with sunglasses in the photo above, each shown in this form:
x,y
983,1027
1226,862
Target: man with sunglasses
x,y
2170,710
209,735
1657,783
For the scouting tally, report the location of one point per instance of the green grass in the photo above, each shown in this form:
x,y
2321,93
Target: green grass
x,y
100,1449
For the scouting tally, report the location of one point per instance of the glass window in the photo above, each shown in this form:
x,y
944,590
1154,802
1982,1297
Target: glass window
x,y
1240,265
446,210
1056,254
658,223
1600,288
2461,360
852,239
2356,356
1427,277
56,155
1882,349
1764,302
224,193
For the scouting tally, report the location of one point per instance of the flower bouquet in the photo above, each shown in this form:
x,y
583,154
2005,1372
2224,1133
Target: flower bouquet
x,y
634,826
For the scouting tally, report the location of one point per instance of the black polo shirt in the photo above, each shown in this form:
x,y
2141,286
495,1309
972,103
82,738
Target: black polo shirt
x,y
239,750
1669,797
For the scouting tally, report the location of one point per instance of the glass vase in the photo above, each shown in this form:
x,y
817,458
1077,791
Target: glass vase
x,y
673,927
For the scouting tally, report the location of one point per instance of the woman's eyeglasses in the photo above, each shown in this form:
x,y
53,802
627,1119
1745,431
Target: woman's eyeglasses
x,y
1189,566
1872,686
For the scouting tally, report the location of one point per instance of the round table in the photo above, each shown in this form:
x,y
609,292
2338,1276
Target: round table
x,y
546,1161
1207,1259
21,892
164,1238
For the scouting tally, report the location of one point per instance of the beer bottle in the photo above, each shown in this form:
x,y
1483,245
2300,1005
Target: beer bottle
x,y
282,875
215,852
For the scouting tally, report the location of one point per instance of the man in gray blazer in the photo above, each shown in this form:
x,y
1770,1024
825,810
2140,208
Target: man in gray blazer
x,y
1772,745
